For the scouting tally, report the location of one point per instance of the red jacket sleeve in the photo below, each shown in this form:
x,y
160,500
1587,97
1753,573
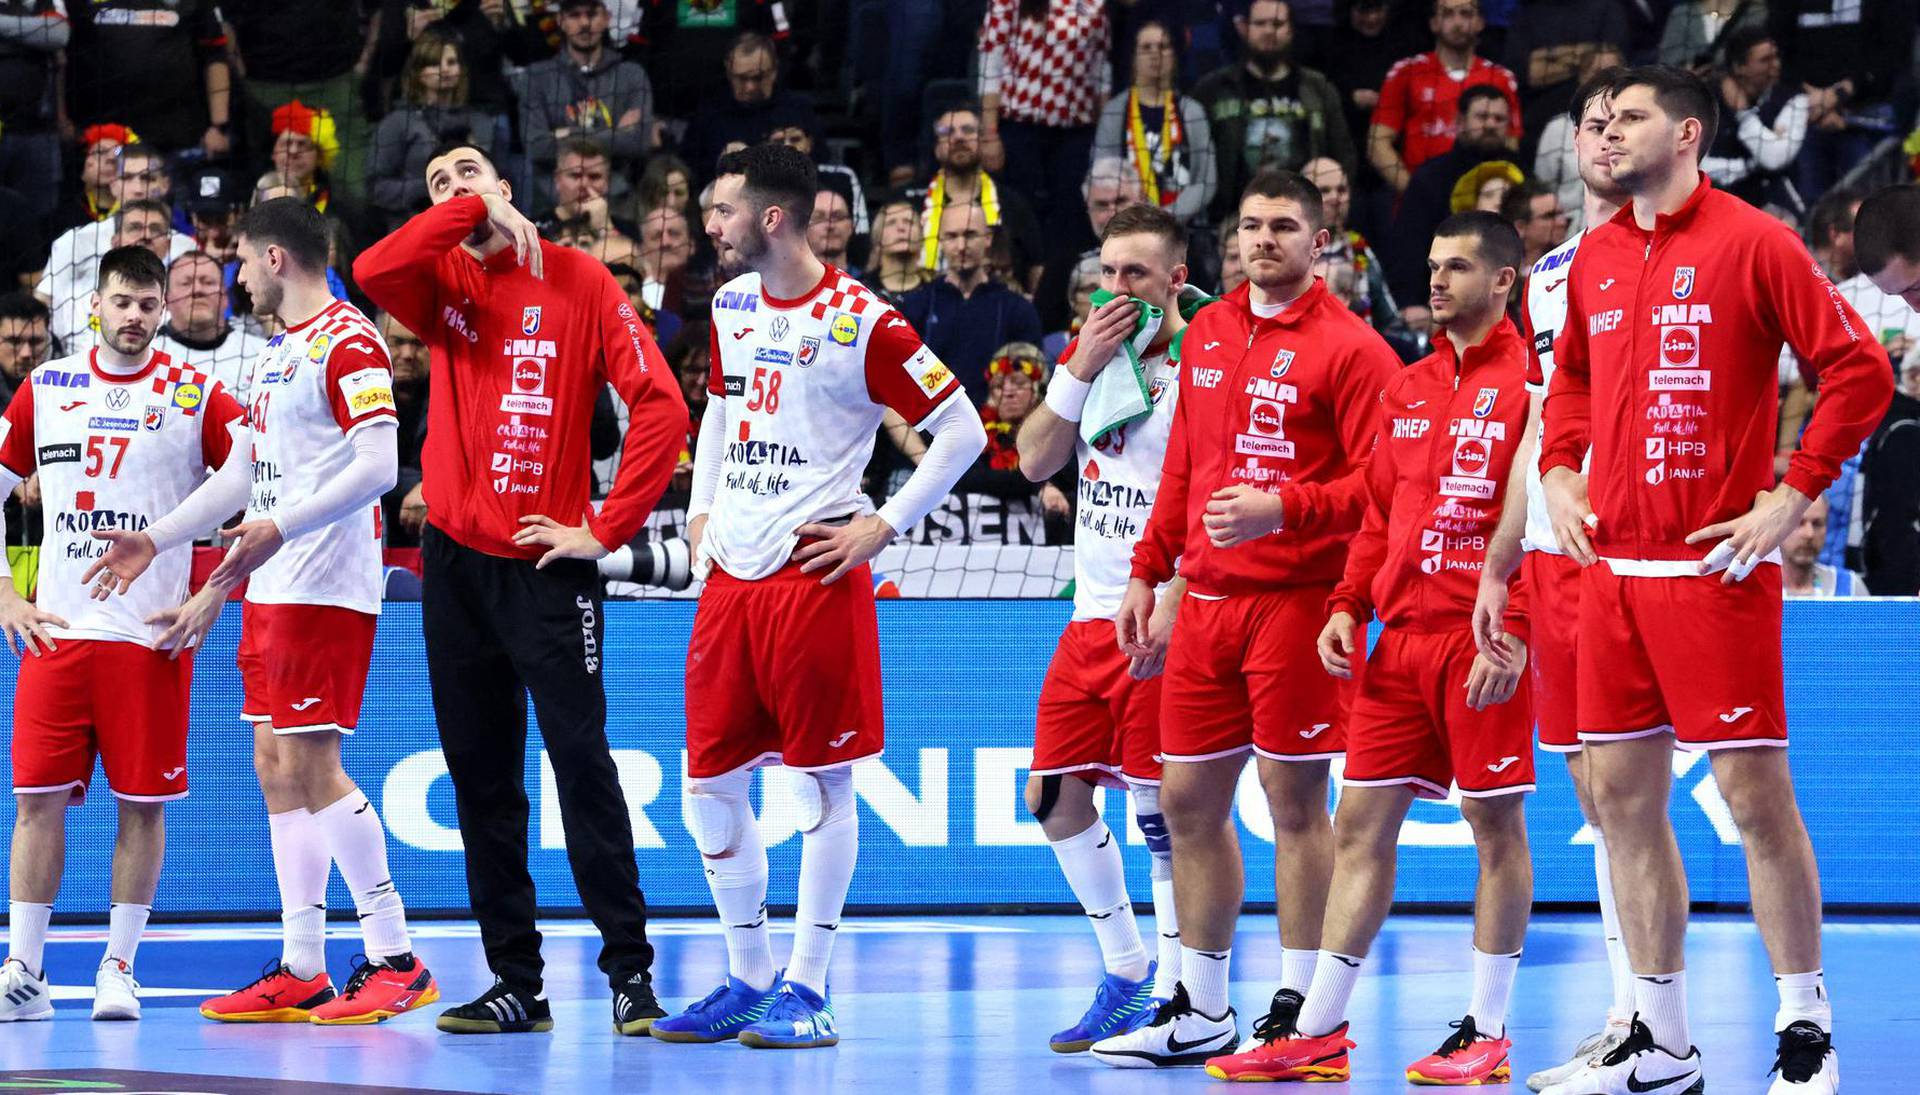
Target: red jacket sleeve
x,y
399,272
1519,603
656,417
1338,505
1566,418
16,433
216,421
1830,338
1391,111
1165,536
1368,551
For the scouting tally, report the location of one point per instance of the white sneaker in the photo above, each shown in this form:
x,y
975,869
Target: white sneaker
x,y
1593,1045
1636,1067
1178,1037
22,995
1807,1064
116,995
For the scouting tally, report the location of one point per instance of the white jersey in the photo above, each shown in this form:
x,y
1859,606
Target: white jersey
x,y
1118,480
312,388
804,383
230,361
1546,315
113,452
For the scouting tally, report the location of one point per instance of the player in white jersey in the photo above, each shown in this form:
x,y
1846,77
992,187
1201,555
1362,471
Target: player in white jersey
x,y
1525,538
119,434
324,438
784,664
1098,722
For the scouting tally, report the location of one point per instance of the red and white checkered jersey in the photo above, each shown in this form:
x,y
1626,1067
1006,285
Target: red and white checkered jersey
x,y
1050,71
312,388
1546,315
1118,479
804,383
113,452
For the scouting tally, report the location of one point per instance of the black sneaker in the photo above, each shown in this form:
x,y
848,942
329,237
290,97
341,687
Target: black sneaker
x,y
1279,1021
499,1010
634,1006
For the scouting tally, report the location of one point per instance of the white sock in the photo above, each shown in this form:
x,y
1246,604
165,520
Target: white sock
x,y
738,882
359,845
300,865
1166,925
1098,876
27,933
125,922
1660,999
1334,976
1617,961
1492,986
827,856
1296,968
1803,996
1204,973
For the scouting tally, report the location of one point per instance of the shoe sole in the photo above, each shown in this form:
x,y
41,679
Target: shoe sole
x,y
378,1015
689,1037
1501,1075
761,1041
116,1014
1072,1047
453,1024
30,1017
272,1015
1145,1060
1316,1074
637,1027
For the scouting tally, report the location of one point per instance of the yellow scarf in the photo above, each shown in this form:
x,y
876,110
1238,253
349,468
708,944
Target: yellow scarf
x,y
1145,163
937,202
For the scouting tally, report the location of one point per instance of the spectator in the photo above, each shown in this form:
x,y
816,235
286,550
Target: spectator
x,y
1801,572
755,106
100,147
1533,208
1848,56
582,181
604,244
306,143
198,332
893,263
212,199
138,171
836,175
1161,134
1367,46
1086,279
666,245
1830,233
1763,124
1549,45
68,284
1890,494
1015,381
26,339
166,77
831,229
586,91
965,314
1482,135
961,178
435,110
1267,112
490,33
1555,162
1419,103
685,46
666,182
308,53
1373,301
406,508
1233,274
1696,31
689,355
1485,188
1108,188
1043,78
32,34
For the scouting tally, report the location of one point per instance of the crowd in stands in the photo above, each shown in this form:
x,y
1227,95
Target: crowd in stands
x,y
971,152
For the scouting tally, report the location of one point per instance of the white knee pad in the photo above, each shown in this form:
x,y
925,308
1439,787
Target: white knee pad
x,y
821,796
715,811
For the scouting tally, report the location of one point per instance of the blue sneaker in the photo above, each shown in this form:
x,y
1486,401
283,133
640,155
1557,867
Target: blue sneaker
x,y
798,1019
719,1017
1119,1006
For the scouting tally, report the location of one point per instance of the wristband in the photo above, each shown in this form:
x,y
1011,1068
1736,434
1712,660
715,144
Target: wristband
x,y
1067,394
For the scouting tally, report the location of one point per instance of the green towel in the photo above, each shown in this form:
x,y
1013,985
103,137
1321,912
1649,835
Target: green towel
x,y
1119,396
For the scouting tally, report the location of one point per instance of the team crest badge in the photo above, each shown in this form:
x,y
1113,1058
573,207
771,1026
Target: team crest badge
x,y
530,320
1282,361
1156,389
1682,282
1483,403
809,349
153,419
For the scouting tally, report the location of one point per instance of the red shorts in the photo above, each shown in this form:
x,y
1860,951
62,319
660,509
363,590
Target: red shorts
x,y
785,671
1553,583
1687,654
1095,720
1243,673
1411,723
120,700
303,668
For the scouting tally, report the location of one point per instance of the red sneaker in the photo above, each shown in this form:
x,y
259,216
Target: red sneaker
x,y
377,992
277,997
1294,1056
1466,1059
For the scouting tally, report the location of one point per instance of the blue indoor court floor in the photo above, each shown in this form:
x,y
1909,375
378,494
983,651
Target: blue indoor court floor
x,y
960,1005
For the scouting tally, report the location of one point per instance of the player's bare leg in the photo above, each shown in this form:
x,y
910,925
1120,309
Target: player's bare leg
x,y
33,881
1303,845
1504,896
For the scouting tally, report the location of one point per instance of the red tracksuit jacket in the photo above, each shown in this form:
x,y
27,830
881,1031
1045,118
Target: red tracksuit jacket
x,y
517,364
1669,361
1449,427
1286,404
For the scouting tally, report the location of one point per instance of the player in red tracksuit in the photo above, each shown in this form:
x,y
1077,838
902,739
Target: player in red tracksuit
x,y
1432,712
1258,496
1677,309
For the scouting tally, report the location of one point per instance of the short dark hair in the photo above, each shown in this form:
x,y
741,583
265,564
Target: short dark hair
x,y
1887,225
1679,93
1478,92
1517,206
1494,238
775,175
1274,182
1742,40
292,225
142,205
1832,215
582,147
136,266
24,306
138,151
451,145
1600,84
750,42
1141,219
